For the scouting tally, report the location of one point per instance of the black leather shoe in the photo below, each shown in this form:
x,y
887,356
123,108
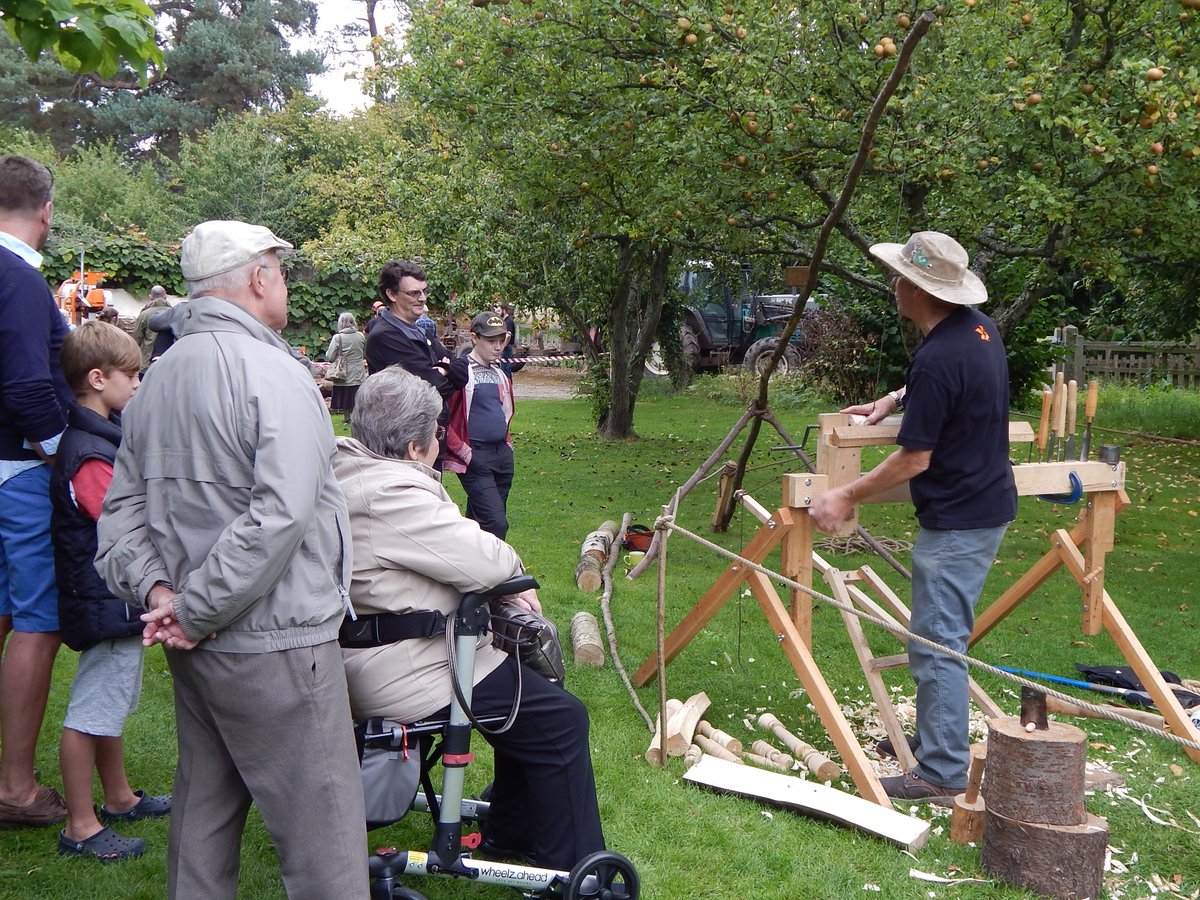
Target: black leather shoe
x,y
885,748
912,787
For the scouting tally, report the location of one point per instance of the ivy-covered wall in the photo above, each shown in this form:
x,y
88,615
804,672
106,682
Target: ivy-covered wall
x,y
136,263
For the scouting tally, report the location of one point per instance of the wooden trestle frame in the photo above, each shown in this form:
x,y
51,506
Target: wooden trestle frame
x,y
1081,551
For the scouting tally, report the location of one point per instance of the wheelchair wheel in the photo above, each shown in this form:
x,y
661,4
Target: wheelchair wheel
x,y
399,892
603,876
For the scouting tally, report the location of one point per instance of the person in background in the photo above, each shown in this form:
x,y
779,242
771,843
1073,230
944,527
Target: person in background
x,y
397,340
101,363
224,520
34,398
953,451
142,332
376,309
507,311
348,343
109,315
478,445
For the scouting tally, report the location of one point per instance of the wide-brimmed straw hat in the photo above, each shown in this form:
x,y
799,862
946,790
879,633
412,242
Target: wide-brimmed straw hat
x,y
936,263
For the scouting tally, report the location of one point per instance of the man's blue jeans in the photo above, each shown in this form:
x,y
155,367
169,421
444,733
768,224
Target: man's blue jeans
x,y
949,569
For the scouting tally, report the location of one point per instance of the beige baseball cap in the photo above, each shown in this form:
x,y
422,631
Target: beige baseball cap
x,y
219,246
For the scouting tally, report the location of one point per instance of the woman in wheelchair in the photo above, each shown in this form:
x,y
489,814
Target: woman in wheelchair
x,y
414,551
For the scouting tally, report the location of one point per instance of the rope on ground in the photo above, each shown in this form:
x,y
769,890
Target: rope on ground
x,y
666,523
605,609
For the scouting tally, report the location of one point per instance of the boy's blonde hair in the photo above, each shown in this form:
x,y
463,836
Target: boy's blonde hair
x,y
97,345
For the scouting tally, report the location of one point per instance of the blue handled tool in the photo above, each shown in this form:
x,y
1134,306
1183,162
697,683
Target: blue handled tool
x,y
1137,698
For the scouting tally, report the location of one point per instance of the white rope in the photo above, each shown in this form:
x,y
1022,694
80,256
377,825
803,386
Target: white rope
x,y
667,523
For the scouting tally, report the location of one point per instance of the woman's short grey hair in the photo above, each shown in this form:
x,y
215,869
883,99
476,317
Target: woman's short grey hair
x,y
347,320
393,409
226,282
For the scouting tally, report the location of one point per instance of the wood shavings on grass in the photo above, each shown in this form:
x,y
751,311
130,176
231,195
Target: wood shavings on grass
x,y
1157,816
940,879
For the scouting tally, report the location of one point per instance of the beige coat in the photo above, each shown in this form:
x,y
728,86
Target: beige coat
x,y
413,550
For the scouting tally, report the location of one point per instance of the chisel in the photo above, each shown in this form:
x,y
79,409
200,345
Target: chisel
x,y
1058,415
1072,411
1044,423
1089,413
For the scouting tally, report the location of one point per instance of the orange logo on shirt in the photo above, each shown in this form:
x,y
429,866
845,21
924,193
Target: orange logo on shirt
x,y
982,332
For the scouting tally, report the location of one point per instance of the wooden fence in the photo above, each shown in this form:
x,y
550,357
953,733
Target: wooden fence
x,y
1145,362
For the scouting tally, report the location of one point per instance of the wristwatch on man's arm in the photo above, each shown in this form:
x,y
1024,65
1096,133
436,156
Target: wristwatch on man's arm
x,y
897,398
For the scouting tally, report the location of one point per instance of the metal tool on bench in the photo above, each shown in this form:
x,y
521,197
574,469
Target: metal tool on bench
x,y
1089,413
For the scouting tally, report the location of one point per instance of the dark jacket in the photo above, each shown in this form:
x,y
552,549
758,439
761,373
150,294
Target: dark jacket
x,y
87,611
33,393
388,344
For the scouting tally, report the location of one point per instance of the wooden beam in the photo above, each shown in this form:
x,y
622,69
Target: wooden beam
x,y
827,706
796,563
1019,432
753,507
812,799
710,604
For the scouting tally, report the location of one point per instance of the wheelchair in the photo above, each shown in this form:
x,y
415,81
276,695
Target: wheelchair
x,y
398,769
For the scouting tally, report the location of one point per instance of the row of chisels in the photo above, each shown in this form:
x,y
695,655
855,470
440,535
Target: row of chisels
x,y
1059,420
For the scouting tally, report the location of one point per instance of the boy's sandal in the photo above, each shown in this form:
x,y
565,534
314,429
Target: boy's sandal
x,y
147,807
105,845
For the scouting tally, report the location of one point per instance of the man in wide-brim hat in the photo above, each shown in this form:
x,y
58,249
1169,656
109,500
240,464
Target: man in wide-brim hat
x,y
953,449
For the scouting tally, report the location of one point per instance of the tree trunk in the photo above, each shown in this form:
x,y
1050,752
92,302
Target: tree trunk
x,y
634,312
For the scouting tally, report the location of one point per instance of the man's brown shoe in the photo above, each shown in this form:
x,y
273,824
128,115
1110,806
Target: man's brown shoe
x,y
46,809
912,787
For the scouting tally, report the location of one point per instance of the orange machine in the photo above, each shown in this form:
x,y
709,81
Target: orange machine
x,y
80,295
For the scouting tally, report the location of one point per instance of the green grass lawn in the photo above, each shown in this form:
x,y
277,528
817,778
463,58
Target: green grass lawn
x,y
691,844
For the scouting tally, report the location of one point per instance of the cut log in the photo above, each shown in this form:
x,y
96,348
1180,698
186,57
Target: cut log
x,y
585,639
712,748
966,821
729,742
818,763
1036,776
811,799
682,725
654,752
593,553
762,748
1065,861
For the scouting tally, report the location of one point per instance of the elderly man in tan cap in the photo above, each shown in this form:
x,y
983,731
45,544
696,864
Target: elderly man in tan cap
x,y
953,448
225,521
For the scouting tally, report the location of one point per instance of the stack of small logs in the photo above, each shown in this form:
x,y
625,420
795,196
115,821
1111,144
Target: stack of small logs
x,y
589,576
1037,832
692,737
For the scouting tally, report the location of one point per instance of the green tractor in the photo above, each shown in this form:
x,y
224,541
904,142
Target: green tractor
x,y
727,326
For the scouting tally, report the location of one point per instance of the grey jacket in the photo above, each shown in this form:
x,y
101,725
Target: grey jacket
x,y
350,343
223,488
416,551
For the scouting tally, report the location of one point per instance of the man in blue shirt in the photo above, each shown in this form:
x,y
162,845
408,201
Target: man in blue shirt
x,y
953,449
34,398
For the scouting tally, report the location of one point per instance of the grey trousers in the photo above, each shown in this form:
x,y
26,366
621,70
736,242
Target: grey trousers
x,y
273,729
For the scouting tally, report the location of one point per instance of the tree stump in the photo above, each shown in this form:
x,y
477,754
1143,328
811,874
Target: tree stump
x,y
1061,861
585,639
1036,776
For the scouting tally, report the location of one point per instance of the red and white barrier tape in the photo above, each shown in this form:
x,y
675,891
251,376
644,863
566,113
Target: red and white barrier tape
x,y
561,357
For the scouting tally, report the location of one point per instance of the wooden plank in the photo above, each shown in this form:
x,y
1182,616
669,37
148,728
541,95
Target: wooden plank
x,y
840,465
1019,432
1031,479
810,799
710,604
753,507
862,649
796,563
1098,544
829,710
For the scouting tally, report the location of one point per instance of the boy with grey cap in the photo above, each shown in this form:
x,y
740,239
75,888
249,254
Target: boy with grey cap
x,y
479,447
953,449
225,521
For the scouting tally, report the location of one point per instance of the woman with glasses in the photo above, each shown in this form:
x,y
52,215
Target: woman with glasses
x,y
415,552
